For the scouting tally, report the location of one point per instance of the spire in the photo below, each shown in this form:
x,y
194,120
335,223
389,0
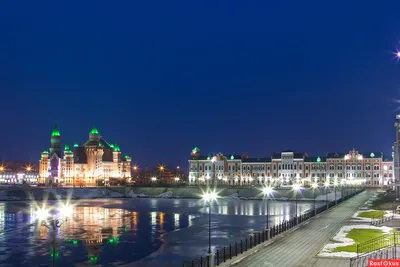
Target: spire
x,y
66,148
94,131
55,132
116,147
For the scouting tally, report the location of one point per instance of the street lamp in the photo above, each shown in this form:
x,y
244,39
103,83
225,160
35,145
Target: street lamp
x,y
314,186
52,222
341,189
209,197
335,184
296,188
326,193
267,191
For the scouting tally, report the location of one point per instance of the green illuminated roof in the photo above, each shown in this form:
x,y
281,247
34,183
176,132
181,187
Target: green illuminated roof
x,y
127,157
45,152
208,158
196,148
372,155
116,148
94,131
66,148
112,146
232,157
318,159
55,132
76,145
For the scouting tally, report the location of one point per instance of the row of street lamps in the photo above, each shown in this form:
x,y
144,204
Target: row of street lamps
x,y
211,196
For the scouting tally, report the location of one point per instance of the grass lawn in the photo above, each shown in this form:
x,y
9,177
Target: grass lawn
x,y
360,236
376,214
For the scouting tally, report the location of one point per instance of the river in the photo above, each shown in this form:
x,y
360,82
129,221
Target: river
x,y
143,232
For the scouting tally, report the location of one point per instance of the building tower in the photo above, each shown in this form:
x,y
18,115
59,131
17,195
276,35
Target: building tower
x,y
55,142
117,161
127,167
44,167
396,156
94,153
69,166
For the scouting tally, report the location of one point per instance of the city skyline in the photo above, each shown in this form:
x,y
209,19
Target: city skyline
x,y
256,78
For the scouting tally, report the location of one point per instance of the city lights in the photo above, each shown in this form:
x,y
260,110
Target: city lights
x,y
210,196
267,191
42,214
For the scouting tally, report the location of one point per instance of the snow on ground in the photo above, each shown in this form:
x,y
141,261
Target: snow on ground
x,y
83,193
343,241
168,194
355,217
132,194
233,196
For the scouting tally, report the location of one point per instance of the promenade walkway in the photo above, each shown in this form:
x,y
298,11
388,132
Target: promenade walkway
x,y
298,248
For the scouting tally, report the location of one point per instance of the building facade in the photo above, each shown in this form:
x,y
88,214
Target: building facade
x,y
94,162
289,167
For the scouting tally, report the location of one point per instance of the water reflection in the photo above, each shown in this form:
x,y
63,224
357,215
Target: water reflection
x,y
106,235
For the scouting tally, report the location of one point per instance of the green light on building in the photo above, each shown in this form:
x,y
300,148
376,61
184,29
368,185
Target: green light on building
x,y
94,131
232,157
76,145
372,155
318,159
55,132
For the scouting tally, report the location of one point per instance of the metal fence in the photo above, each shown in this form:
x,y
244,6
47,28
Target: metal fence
x,y
378,243
382,247
380,221
239,247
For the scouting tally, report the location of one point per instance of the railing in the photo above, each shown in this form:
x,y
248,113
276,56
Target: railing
x,y
378,243
382,247
239,247
380,221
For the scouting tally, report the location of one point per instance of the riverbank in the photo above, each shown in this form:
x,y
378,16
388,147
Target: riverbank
x,y
21,193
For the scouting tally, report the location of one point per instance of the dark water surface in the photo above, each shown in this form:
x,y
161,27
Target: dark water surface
x,y
149,232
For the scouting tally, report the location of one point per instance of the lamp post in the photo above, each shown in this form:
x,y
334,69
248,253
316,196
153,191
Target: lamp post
x,y
314,186
209,197
341,190
335,185
52,222
267,191
326,193
296,188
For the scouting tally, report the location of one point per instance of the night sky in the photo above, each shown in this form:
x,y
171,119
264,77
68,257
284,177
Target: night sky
x,y
229,76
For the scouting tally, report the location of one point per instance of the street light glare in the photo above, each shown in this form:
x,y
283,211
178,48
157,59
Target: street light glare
x,y
42,214
327,183
314,185
267,190
210,196
296,187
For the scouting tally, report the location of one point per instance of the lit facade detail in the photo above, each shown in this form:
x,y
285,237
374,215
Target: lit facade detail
x,y
96,160
289,167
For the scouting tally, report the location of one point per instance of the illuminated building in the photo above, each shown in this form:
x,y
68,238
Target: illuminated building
x,y
288,167
94,162
18,173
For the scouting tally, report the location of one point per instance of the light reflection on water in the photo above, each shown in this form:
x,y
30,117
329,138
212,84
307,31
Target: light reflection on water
x,y
110,231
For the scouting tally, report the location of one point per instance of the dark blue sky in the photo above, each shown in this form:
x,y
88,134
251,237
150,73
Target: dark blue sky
x,y
229,76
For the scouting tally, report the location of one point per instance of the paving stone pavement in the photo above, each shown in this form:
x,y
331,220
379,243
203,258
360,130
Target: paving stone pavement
x,y
298,248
